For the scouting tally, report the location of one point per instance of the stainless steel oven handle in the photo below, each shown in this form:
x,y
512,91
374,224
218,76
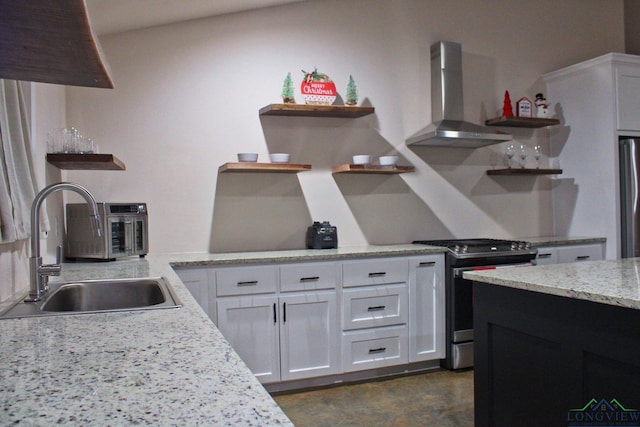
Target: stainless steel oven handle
x,y
457,272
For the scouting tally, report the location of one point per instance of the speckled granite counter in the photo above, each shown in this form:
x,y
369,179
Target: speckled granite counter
x,y
157,367
205,259
545,241
609,282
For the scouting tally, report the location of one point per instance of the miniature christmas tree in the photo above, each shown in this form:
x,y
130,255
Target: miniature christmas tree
x,y
507,111
352,92
287,90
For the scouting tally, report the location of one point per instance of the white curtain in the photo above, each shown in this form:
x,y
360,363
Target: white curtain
x,y
17,180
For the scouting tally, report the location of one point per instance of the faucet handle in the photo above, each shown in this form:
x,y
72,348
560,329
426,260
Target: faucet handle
x,y
58,254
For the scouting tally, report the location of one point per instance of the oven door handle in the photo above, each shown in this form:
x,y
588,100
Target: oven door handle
x,y
457,272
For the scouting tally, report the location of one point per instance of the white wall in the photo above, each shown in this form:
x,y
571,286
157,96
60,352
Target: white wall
x,y
187,98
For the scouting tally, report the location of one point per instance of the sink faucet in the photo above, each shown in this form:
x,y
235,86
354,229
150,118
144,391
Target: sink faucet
x,y
39,273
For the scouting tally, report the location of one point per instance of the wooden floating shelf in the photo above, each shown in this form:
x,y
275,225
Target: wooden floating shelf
x,y
310,110
521,122
372,169
76,161
516,171
263,167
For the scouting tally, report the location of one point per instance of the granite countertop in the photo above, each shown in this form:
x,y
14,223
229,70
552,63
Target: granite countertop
x,y
544,241
159,367
607,282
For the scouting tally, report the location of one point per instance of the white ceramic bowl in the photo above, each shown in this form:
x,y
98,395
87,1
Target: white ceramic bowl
x,y
362,159
388,160
280,157
247,157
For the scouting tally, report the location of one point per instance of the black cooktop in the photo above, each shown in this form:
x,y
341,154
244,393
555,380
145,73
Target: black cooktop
x,y
478,246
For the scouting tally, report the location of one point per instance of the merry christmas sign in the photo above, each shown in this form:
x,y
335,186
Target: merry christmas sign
x,y
317,88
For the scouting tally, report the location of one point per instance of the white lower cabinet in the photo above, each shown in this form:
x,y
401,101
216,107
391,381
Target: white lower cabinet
x,y
570,253
309,345
250,324
296,321
285,335
197,282
426,308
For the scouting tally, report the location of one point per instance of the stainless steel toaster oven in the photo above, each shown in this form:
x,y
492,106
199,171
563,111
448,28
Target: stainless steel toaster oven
x,y
124,231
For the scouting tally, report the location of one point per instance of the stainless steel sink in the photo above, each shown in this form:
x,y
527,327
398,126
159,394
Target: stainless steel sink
x,y
96,296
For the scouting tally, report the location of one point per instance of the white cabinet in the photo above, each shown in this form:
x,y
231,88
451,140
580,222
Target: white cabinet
x,y
197,282
303,320
426,308
374,348
375,312
309,345
628,97
577,253
546,256
250,324
570,253
281,336
597,102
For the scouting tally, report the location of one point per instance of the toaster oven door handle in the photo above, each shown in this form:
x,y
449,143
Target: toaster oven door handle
x,y
128,236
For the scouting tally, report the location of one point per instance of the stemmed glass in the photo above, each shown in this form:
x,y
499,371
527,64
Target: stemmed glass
x,y
522,155
537,153
511,151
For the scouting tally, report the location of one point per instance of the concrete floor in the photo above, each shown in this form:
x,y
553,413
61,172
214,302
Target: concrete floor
x,y
440,398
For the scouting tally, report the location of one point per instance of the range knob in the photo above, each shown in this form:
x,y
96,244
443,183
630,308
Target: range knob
x,y
456,249
465,249
514,246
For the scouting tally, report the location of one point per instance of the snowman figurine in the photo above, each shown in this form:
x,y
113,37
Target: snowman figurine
x,y
542,108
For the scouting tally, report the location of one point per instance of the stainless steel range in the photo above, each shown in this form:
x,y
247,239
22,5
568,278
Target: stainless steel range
x,y
464,255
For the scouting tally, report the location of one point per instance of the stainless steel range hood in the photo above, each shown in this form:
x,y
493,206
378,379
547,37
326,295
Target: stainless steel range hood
x,y
447,109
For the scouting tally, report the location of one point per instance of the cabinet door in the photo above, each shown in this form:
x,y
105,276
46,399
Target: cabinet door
x,y
628,96
592,252
250,324
546,256
196,281
309,335
426,308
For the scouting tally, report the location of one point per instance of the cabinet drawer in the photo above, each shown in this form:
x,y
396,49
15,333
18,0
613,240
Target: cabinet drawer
x,y
546,256
375,272
308,277
374,348
580,253
374,306
247,280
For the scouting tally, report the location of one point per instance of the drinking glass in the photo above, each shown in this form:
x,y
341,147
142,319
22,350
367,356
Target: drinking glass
x,y
511,151
537,154
522,155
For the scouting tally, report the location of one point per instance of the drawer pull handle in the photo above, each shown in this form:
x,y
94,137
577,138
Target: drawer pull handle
x,y
377,308
377,350
310,279
248,283
583,257
275,317
544,255
427,264
378,274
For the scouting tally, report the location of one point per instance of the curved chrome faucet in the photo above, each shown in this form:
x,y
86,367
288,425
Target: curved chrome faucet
x,y
39,273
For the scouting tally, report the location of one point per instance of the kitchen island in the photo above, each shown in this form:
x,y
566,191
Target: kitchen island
x,y
158,367
558,344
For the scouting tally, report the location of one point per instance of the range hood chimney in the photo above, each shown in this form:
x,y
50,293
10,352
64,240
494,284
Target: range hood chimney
x,y
448,128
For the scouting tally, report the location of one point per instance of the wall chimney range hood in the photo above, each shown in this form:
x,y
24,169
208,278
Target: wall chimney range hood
x,y
448,128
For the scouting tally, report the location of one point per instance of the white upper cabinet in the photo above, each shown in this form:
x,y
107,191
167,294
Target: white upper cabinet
x,y
628,98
